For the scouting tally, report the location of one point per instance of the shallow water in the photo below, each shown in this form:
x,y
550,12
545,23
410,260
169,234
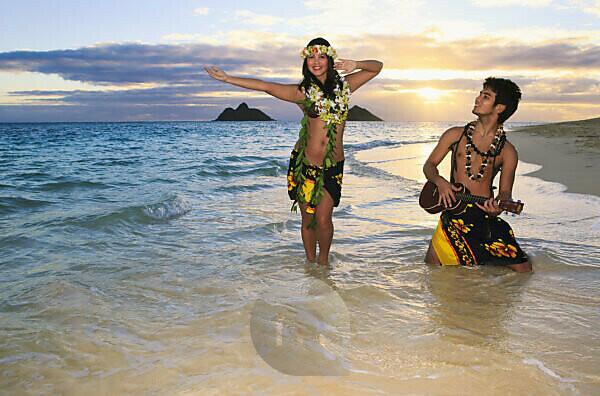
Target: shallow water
x,y
162,258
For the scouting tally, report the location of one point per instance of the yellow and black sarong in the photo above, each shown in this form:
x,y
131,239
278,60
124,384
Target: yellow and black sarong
x,y
475,238
332,182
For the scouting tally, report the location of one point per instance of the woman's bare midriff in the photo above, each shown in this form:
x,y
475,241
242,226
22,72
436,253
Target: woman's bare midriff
x,y
317,142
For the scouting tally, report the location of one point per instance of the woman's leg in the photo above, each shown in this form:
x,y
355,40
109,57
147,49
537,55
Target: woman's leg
x,y
324,233
309,235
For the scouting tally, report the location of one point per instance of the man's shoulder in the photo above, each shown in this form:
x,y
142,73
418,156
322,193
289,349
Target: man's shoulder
x,y
509,152
509,147
453,132
456,129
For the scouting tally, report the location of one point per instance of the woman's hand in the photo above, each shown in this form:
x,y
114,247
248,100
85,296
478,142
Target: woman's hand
x,y
345,65
216,73
490,207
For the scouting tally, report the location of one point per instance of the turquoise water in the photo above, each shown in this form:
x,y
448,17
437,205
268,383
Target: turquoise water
x,y
132,255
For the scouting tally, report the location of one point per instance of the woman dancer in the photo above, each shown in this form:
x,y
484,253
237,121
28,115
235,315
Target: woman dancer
x,y
317,161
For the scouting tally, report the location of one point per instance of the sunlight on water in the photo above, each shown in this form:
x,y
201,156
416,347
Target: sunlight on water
x,y
162,258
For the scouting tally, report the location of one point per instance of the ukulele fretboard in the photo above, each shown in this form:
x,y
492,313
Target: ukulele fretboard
x,y
470,198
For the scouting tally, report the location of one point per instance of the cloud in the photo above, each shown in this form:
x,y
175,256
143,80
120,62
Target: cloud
x,y
124,64
588,6
252,18
129,63
507,3
388,97
422,52
366,16
140,81
201,11
591,7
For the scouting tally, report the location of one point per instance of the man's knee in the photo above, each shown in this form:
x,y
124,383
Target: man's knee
x,y
522,267
431,257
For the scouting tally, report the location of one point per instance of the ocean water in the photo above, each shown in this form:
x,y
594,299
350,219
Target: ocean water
x,y
162,258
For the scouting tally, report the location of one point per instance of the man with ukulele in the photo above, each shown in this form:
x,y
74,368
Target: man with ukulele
x,y
473,234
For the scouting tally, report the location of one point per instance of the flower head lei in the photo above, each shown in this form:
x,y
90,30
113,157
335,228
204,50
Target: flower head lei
x,y
318,49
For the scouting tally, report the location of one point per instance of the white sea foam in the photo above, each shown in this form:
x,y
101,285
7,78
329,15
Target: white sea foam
x,y
540,365
169,209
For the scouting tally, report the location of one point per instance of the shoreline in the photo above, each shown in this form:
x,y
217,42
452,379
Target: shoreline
x,y
569,153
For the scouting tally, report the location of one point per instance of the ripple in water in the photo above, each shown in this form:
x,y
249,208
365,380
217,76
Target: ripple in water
x,y
169,209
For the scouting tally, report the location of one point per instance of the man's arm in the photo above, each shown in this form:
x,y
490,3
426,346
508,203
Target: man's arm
x,y
510,159
287,92
430,169
509,169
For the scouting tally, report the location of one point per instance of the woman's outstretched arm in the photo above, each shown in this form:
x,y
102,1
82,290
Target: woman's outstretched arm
x,y
287,92
367,69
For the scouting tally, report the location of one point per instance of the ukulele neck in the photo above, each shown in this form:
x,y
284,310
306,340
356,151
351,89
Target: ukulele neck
x,y
470,198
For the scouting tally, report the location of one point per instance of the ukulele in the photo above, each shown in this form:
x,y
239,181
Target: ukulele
x,y
428,200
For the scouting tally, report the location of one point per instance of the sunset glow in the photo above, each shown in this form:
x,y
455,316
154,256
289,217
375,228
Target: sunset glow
x,y
430,94
113,58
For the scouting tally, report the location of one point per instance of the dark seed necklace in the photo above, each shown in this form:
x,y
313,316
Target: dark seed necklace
x,y
494,150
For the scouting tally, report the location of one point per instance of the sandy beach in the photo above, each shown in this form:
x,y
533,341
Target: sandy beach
x,y
569,153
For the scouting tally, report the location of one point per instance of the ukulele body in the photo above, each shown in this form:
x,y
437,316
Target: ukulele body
x,y
429,197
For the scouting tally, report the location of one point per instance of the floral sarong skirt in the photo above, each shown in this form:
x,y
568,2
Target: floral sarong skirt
x,y
475,238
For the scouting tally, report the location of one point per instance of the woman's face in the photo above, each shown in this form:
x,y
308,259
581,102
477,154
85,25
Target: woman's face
x,y
317,65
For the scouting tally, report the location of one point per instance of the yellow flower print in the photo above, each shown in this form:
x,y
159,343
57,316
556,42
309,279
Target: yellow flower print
x,y
338,178
460,225
291,182
307,190
500,249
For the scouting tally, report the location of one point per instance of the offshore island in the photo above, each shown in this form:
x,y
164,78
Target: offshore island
x,y
245,113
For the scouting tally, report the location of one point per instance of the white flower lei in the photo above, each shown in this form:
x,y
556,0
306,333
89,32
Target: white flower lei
x,y
332,111
318,49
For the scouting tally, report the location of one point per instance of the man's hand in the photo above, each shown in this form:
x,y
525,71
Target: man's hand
x,y
345,66
446,193
490,207
216,73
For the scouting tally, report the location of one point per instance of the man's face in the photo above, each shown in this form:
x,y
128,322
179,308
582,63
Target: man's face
x,y
484,102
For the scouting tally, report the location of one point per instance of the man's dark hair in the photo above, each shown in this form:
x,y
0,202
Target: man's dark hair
x,y
507,93
332,75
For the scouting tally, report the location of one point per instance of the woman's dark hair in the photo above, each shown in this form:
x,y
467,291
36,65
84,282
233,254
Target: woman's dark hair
x,y
332,75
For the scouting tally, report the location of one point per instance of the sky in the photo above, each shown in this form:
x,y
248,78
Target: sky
x,y
130,60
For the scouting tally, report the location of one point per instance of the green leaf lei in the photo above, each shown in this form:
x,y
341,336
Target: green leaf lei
x,y
333,112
